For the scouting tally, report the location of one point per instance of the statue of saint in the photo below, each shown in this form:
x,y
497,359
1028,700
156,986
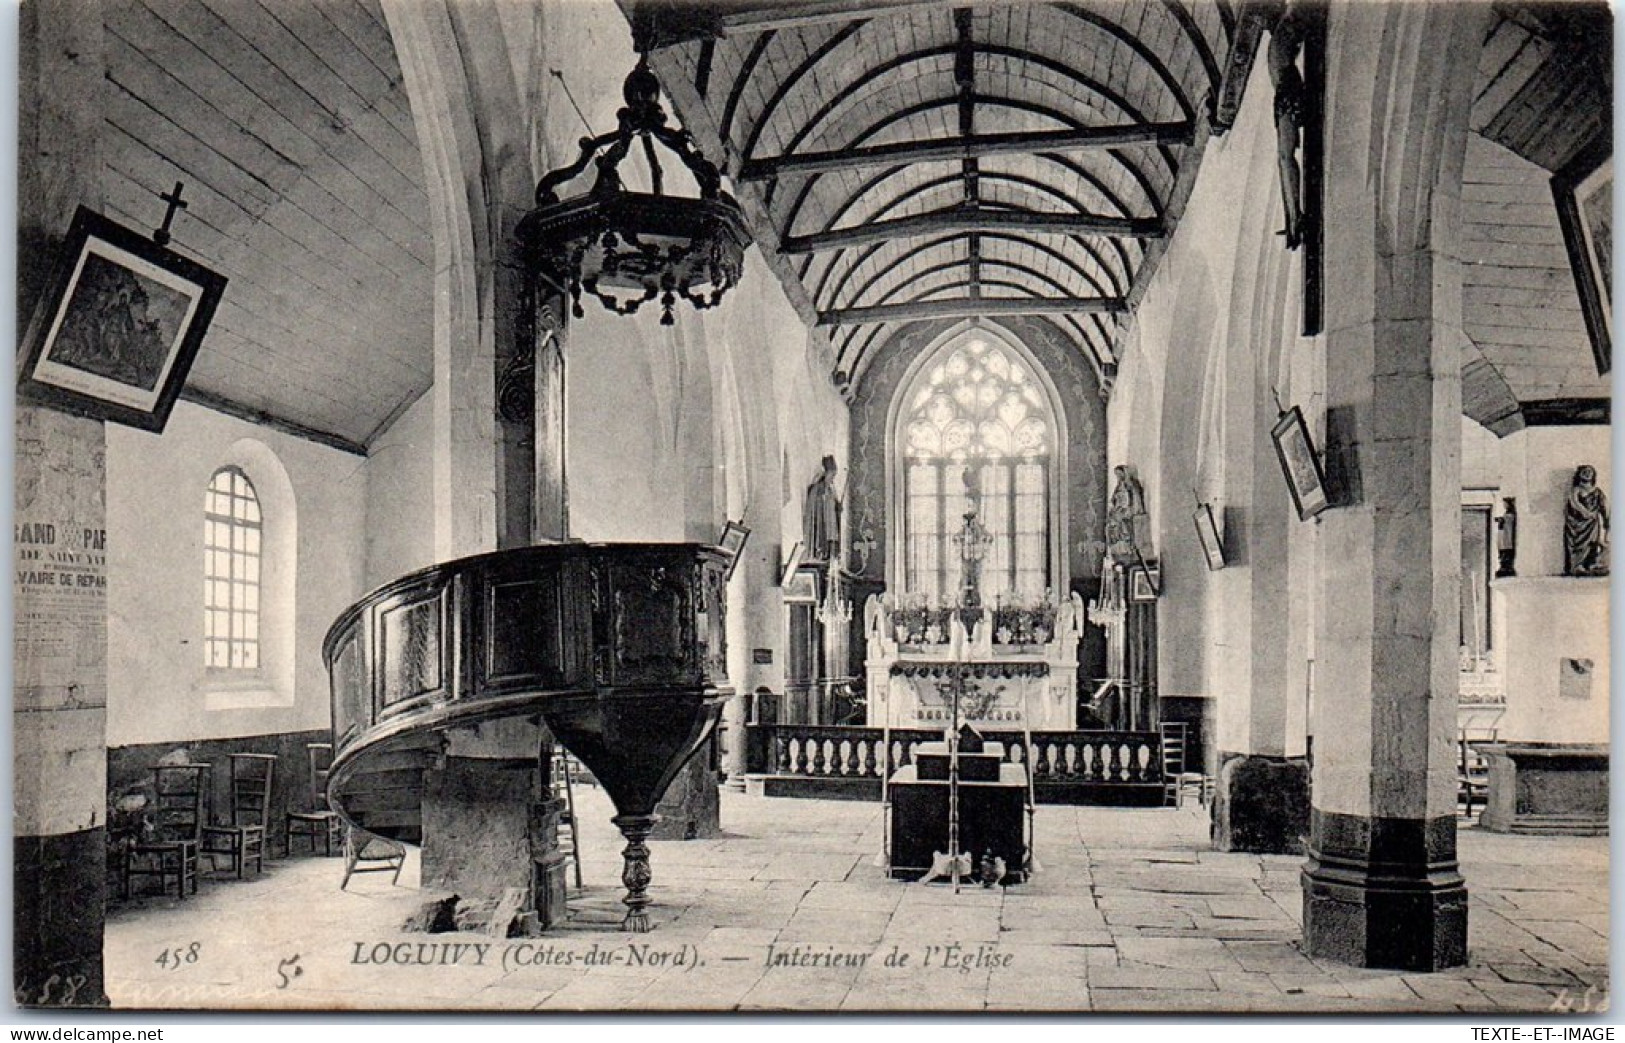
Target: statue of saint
x,y
1506,539
821,517
1286,39
1125,517
1585,526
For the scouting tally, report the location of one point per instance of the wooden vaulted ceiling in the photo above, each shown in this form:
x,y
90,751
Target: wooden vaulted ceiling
x,y
290,127
1544,95
910,161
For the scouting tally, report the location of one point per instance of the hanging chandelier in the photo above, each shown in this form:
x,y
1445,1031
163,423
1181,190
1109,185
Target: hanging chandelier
x,y
628,248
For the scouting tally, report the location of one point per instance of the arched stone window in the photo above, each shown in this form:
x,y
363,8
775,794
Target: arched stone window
x,y
976,415
250,565
232,549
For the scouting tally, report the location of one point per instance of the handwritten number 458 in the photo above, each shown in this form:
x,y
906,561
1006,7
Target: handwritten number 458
x,y
173,959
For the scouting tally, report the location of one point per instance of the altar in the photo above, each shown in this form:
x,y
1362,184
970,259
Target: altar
x,y
1018,659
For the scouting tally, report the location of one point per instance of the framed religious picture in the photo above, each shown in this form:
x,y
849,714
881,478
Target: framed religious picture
x,y
118,328
732,542
1300,465
1207,533
1584,193
801,586
1144,582
792,562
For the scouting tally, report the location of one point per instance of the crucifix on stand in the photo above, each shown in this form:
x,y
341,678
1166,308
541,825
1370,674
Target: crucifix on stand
x,y
972,540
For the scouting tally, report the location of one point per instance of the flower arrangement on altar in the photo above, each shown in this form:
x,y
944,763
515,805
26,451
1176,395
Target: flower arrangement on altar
x,y
920,619
1024,619
1017,619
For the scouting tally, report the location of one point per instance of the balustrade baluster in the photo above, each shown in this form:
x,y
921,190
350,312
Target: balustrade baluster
x,y
818,757
801,755
781,755
868,757
1086,761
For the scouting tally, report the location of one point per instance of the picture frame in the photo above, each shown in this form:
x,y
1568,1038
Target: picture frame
x,y
1583,191
1300,464
119,326
792,562
1144,582
1209,536
801,587
732,541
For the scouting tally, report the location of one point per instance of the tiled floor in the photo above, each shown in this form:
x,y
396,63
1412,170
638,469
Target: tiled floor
x,y
1129,913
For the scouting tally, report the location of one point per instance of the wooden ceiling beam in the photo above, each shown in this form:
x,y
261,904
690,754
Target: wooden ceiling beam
x,y
974,219
966,308
969,147
737,18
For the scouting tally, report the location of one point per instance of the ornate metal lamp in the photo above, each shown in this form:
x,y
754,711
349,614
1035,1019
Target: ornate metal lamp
x,y
627,248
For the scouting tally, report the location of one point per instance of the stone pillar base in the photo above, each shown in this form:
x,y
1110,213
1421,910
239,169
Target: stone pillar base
x,y
59,896
1384,893
692,807
488,826
1547,788
1261,804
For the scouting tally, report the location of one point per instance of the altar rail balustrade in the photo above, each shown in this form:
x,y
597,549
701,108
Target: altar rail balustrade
x,y
1069,767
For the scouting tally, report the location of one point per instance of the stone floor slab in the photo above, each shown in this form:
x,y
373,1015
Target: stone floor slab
x,y
1132,912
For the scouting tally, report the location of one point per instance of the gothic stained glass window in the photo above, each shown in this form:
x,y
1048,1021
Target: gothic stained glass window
x,y
232,533
977,410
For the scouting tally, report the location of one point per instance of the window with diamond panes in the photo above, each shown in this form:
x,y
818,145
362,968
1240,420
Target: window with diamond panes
x,y
977,410
232,538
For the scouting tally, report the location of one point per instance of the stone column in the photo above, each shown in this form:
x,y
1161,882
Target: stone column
x,y
1261,791
498,468
1381,886
59,697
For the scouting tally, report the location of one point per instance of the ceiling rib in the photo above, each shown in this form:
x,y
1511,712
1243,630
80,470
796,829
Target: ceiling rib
x,y
970,147
1130,112
765,117
975,219
857,263
867,143
967,308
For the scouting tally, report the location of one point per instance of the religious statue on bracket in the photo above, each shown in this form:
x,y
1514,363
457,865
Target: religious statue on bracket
x,y
1286,40
821,517
1585,526
1127,523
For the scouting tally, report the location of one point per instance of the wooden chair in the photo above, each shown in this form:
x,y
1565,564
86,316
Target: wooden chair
x,y
370,853
170,849
1176,776
1472,772
242,839
563,781
321,821
1173,763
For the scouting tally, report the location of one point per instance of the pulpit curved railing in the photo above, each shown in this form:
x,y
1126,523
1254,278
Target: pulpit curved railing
x,y
618,648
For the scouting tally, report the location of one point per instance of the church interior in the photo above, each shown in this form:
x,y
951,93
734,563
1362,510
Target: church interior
x,y
1108,500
